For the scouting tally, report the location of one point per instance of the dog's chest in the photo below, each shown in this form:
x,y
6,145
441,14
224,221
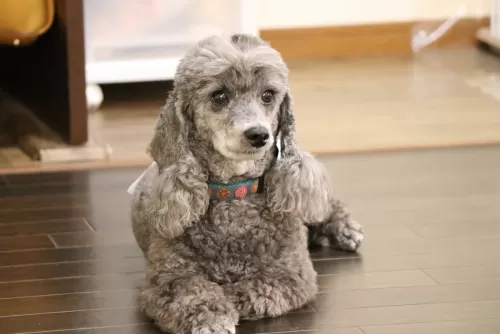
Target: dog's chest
x,y
239,232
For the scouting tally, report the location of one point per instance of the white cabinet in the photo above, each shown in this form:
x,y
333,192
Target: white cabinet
x,y
495,19
491,35
143,40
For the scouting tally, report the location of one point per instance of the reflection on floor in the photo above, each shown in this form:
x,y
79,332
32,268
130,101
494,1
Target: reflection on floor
x,y
434,99
430,262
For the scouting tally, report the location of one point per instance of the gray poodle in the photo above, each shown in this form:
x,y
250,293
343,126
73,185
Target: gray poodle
x,y
225,214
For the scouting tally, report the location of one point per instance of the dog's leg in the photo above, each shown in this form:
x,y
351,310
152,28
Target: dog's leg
x,y
339,230
188,305
272,294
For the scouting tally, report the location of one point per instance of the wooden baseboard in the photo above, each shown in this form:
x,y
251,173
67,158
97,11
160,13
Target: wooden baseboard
x,y
366,40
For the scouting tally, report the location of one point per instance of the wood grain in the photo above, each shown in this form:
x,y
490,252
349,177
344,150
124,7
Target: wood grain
x,y
72,269
465,274
44,256
374,280
60,286
25,242
89,238
125,329
407,295
44,227
77,319
68,302
486,326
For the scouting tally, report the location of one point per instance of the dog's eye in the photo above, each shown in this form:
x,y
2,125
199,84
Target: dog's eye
x,y
220,97
267,96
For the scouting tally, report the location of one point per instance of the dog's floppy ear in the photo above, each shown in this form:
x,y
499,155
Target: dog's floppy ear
x,y
169,143
286,127
297,184
180,192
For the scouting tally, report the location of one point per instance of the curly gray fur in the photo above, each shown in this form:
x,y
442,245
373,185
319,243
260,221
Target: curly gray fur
x,y
211,263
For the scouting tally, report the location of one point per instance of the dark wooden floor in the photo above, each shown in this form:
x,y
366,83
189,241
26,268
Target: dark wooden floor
x,y
430,264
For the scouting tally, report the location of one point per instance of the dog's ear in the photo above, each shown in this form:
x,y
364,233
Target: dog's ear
x,y
298,184
286,127
169,143
180,193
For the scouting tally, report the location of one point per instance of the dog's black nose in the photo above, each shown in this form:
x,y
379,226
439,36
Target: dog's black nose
x,y
257,136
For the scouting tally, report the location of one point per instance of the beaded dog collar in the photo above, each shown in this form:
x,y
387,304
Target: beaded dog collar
x,y
236,190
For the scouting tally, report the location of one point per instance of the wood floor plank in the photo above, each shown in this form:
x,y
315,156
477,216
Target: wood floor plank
x,y
120,176
379,247
49,178
374,280
41,190
465,274
18,203
45,256
45,227
122,236
411,217
125,329
480,228
486,326
69,320
68,302
73,199
394,296
44,214
388,262
74,269
430,245
70,285
96,212
25,242
66,189
385,231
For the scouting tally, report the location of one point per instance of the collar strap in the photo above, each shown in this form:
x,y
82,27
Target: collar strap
x,y
236,190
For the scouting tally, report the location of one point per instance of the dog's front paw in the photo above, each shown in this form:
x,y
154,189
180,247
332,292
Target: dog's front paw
x,y
219,325
348,235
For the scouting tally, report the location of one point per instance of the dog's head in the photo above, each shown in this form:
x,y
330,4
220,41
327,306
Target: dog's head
x,y
230,94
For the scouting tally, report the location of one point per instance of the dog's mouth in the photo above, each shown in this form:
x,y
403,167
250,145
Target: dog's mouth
x,y
246,154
